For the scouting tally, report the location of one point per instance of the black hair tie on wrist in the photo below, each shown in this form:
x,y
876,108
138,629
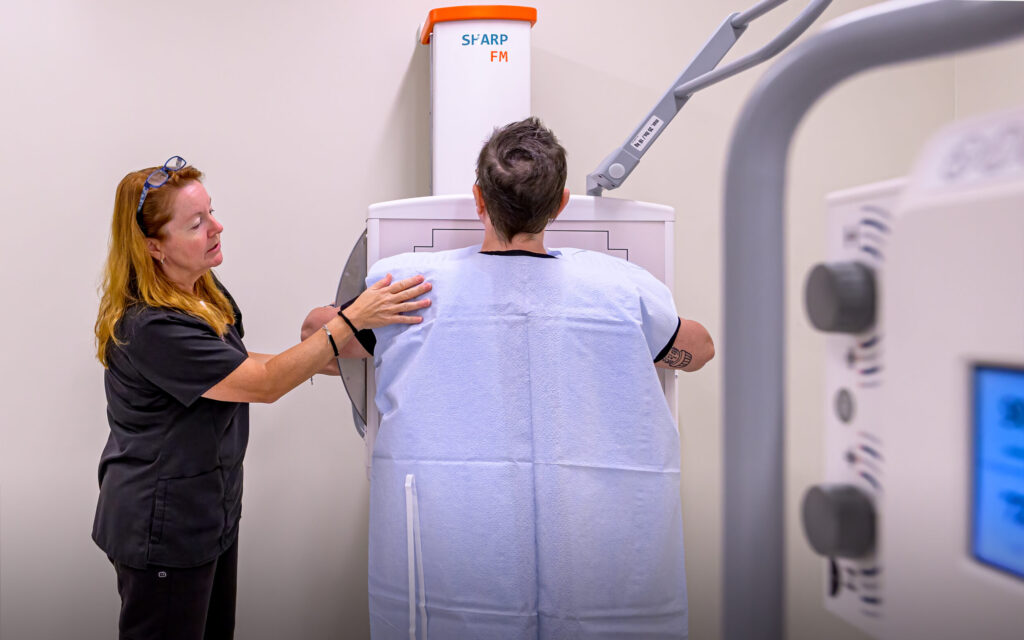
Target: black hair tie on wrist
x,y
351,326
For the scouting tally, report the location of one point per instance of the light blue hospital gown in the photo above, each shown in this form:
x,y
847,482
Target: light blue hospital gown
x,y
527,418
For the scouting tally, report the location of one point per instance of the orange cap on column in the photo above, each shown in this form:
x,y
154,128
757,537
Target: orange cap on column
x,y
476,12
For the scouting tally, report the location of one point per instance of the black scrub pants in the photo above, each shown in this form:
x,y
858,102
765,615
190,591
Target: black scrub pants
x,y
163,603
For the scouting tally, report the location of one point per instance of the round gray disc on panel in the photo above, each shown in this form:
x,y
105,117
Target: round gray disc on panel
x,y
844,405
840,297
839,521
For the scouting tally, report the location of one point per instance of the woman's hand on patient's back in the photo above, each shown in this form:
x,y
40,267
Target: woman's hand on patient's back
x,y
385,302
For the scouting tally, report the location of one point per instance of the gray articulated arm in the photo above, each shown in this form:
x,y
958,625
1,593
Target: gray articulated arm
x,y
699,74
754,340
753,13
806,18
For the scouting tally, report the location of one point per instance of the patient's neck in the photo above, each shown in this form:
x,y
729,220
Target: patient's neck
x,y
523,242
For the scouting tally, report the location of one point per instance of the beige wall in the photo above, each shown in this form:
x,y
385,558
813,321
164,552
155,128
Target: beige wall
x,y
302,114
989,80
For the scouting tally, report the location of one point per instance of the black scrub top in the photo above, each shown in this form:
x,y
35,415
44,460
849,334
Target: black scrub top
x,y
171,472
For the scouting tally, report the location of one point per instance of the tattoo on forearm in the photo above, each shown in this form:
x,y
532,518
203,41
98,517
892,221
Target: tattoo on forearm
x,y
678,358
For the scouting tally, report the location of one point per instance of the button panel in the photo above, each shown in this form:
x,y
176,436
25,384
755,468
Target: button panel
x,y
859,227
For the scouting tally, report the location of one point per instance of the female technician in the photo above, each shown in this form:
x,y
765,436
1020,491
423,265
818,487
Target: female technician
x,y
178,382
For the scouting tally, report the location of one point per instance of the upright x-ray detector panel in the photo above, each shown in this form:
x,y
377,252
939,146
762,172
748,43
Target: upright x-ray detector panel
x,y
479,81
639,232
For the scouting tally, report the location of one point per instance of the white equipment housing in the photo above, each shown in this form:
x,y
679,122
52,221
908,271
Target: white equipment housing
x,y
479,80
953,525
931,428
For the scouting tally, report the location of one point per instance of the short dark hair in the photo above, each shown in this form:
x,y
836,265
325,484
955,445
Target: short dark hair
x,y
521,175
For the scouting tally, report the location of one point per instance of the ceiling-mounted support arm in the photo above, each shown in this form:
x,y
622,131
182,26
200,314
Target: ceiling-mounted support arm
x,y
754,339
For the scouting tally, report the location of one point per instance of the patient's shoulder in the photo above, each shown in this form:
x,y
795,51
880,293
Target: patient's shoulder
x,y
607,270
419,262
590,259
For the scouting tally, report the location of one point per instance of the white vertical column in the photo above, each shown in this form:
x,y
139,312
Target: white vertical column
x,y
480,79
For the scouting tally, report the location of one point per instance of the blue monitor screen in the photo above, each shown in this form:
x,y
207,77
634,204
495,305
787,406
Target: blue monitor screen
x,y
998,531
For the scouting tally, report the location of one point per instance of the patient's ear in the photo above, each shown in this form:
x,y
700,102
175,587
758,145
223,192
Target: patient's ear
x,y
481,207
478,196
561,207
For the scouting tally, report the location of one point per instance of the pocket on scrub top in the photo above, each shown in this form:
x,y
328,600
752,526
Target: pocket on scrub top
x,y
188,518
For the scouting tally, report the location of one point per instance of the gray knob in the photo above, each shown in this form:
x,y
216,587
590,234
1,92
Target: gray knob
x,y
839,521
840,297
